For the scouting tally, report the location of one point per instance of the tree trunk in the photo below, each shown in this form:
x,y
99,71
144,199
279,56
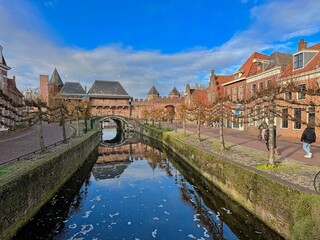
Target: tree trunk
x,y
184,125
271,136
63,125
78,127
198,129
221,132
42,146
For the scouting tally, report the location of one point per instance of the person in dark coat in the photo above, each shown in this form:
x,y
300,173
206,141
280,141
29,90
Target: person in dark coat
x,y
308,137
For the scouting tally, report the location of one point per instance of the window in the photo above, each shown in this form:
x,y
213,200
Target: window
x,y
302,92
251,117
253,89
287,96
234,94
257,116
229,92
312,115
269,83
298,61
260,86
240,91
285,118
297,118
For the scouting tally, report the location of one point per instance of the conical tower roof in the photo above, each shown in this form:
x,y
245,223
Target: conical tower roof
x,y
55,79
153,91
174,91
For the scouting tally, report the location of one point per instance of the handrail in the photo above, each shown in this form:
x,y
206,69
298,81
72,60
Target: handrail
x,y
39,150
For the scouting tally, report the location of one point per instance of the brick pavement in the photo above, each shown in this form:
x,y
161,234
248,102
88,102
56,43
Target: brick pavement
x,y
298,172
287,148
19,143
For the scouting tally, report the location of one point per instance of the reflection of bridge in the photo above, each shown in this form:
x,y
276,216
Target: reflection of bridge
x,y
112,161
122,153
120,139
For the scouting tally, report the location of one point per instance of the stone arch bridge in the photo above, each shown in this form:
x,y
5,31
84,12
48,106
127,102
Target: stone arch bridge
x,y
120,122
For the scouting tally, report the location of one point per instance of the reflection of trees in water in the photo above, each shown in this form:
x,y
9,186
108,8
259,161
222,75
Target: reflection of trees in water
x,y
200,192
155,158
50,220
190,196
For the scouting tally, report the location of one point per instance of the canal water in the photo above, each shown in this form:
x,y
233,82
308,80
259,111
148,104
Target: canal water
x,y
134,191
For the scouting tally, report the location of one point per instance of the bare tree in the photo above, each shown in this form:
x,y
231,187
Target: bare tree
x,y
197,109
182,111
39,115
59,113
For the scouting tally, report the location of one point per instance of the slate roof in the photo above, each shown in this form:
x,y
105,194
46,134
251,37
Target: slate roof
x,y
3,62
55,79
72,88
107,89
279,59
174,91
153,91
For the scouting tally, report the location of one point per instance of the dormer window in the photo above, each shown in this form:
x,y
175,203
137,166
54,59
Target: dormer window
x,y
302,59
298,61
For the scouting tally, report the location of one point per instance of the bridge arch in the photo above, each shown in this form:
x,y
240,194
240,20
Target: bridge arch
x,y
124,130
121,122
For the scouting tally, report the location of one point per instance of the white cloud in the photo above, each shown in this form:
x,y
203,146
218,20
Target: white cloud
x,y
31,49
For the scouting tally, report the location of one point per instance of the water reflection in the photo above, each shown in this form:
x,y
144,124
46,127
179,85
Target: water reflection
x,y
109,133
146,194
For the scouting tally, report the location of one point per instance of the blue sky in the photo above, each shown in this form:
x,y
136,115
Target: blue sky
x,y
142,43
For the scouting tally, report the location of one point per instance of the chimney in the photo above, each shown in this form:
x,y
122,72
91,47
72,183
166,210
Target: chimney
x,y
188,88
302,45
14,80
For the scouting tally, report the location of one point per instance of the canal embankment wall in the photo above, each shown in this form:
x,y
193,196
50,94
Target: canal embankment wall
x,y
34,182
291,213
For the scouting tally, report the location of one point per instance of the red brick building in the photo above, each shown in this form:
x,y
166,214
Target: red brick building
x,y
258,73
10,99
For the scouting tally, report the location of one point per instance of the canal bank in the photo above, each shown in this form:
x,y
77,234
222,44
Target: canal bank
x,y
26,186
289,208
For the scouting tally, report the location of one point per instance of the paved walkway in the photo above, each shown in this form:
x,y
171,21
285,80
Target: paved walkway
x,y
287,148
299,172
19,143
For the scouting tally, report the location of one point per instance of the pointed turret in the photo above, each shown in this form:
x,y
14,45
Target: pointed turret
x,y
54,86
174,93
55,79
153,93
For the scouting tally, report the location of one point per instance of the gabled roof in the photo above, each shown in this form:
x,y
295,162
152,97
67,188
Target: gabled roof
x,y
153,91
107,89
278,59
174,91
3,63
55,79
72,88
249,68
313,64
222,79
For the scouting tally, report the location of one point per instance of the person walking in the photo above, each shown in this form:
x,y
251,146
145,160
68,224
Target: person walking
x,y
308,137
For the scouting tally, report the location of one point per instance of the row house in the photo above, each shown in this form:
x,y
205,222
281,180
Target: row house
x,y
237,90
260,72
10,98
304,71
